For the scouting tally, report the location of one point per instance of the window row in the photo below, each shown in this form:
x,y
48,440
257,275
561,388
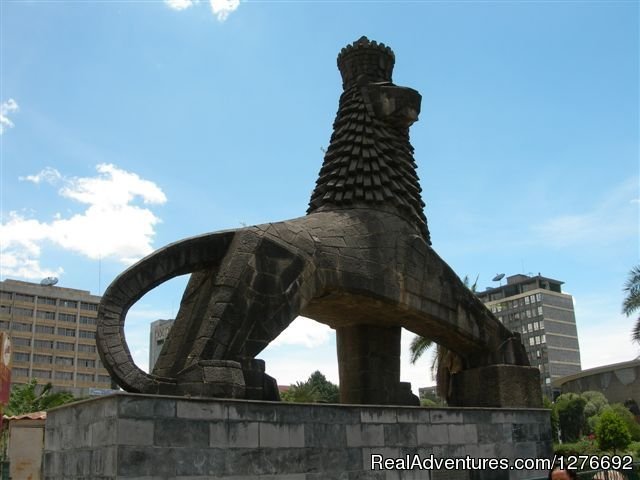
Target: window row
x,y
537,340
512,304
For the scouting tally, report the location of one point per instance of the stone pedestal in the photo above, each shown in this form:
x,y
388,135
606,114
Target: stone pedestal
x,y
497,386
369,366
128,436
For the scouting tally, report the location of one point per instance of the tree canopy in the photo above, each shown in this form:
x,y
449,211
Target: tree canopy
x,y
26,399
316,389
631,303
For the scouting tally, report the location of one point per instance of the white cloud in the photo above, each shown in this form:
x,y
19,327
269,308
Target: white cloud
x,y
613,218
111,226
179,4
48,175
10,106
222,8
306,332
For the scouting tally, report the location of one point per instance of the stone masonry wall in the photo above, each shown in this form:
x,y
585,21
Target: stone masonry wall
x,y
132,436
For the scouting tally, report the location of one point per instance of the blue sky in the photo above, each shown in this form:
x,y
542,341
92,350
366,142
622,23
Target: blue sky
x,y
129,125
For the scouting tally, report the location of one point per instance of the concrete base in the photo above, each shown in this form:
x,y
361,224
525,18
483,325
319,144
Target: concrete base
x,y
497,386
127,436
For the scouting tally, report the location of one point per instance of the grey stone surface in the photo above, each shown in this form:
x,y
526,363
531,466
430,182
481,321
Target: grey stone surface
x,y
195,439
360,261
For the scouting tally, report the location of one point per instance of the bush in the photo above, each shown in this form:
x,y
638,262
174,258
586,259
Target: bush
x,y
570,409
629,420
612,432
582,447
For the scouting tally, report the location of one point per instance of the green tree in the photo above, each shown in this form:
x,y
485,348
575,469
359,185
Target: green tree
x,y
316,389
570,409
26,399
445,362
329,392
629,420
631,303
301,392
596,403
611,432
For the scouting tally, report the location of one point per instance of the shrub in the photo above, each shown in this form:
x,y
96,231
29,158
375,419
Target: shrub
x,y
570,409
612,432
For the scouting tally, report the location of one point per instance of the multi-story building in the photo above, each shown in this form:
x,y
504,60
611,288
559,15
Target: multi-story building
x,y
535,307
159,331
53,332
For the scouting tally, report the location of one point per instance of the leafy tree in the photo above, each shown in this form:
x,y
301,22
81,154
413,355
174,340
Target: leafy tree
x,y
611,432
628,419
596,403
445,362
631,303
329,392
570,409
26,399
316,389
546,403
301,392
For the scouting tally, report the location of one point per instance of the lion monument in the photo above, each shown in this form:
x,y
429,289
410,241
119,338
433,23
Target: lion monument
x,y
360,261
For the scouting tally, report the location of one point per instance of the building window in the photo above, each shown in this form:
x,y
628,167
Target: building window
x,y
86,363
526,300
20,372
529,327
4,325
85,377
67,317
46,315
5,310
536,326
46,301
21,357
92,307
542,339
547,380
21,327
68,304
85,334
64,375
87,348
44,329
42,359
21,342
531,341
65,346
67,332
24,298
23,312
537,340
104,379
538,354
41,373
66,361
87,320
43,343
5,295
539,297
539,310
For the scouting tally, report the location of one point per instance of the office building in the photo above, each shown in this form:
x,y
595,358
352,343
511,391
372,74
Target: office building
x,y
159,332
536,307
53,332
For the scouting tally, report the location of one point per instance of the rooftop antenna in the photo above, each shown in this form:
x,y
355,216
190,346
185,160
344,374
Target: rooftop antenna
x,y
498,278
49,281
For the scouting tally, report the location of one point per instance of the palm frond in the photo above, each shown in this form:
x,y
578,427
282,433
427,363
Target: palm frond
x,y
635,334
418,346
631,302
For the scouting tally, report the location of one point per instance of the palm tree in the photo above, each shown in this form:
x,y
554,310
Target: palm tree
x,y
631,303
24,399
445,362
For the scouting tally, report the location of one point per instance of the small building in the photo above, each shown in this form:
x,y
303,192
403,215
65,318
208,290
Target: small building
x,y
618,382
26,445
159,331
